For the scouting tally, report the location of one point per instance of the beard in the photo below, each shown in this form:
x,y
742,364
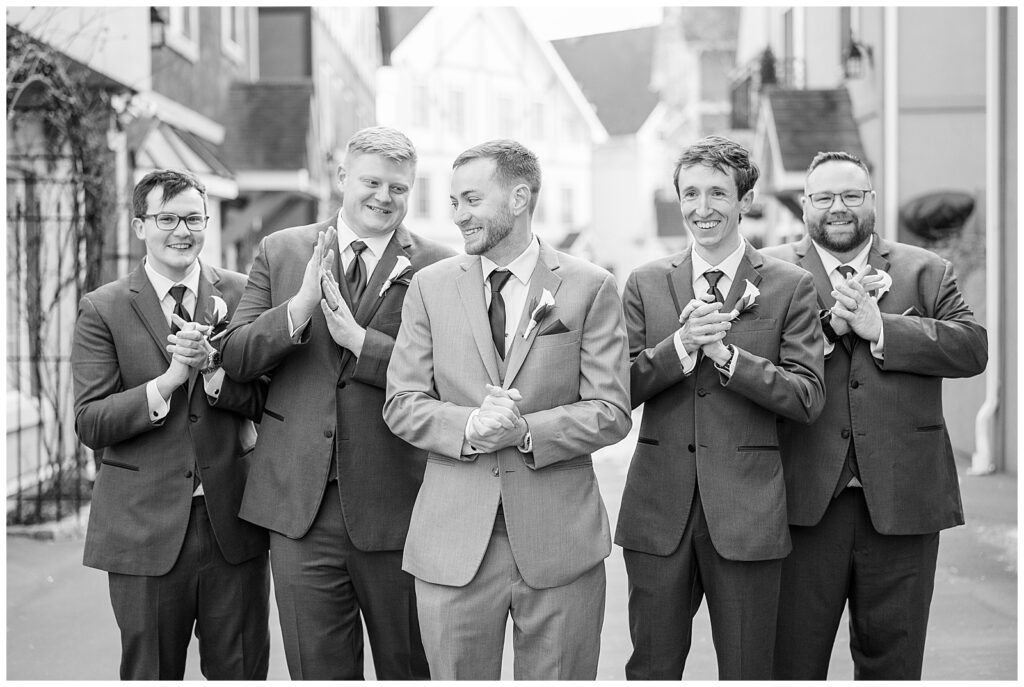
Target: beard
x,y
862,230
495,231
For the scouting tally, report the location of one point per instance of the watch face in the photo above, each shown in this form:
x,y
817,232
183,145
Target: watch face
x,y
215,359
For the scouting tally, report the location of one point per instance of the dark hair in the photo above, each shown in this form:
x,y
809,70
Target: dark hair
x,y
514,163
724,155
837,156
172,181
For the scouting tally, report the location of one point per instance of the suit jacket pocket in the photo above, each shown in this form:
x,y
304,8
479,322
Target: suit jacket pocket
x,y
123,466
270,413
756,448
570,465
556,327
552,340
648,441
755,325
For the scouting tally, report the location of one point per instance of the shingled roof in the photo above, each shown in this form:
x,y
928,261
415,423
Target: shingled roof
x,y
270,125
614,71
809,121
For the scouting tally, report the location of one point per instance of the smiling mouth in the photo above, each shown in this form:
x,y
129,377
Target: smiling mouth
x,y
180,246
378,210
466,233
705,225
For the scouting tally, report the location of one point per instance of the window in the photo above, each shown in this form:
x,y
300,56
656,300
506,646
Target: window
x,y
567,206
422,188
232,32
182,31
457,112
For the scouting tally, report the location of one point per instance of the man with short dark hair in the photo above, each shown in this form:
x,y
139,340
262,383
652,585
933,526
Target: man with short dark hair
x,y
175,432
725,342
332,484
872,482
510,368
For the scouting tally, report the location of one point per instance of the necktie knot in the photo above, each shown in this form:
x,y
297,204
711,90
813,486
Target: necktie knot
x,y
498,279
846,271
357,247
177,293
713,276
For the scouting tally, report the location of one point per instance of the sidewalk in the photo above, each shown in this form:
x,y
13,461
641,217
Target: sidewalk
x,y
60,626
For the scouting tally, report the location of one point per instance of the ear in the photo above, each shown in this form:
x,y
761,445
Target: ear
x,y
803,205
341,174
137,227
746,202
519,199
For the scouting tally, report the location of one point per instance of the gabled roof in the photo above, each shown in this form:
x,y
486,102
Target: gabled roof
x,y
809,121
400,21
269,125
613,71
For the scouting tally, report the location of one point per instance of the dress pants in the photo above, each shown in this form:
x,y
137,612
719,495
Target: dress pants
x,y
665,593
323,582
227,604
556,631
888,580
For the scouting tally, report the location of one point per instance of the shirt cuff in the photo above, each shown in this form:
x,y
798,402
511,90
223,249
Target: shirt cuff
x,y
158,406
829,346
465,436
878,347
687,361
213,382
526,446
294,331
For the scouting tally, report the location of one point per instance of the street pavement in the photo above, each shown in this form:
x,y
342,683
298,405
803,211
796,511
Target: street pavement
x,y
60,625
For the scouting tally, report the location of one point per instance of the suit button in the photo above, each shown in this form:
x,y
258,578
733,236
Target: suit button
x,y
328,433
701,392
854,384
691,448
341,385
845,434
495,471
188,474
193,418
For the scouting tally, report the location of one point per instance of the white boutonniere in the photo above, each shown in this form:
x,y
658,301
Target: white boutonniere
x,y
216,317
883,285
547,301
747,301
402,265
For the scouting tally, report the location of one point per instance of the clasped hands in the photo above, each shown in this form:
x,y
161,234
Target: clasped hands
x,y
497,423
856,309
704,327
319,287
189,348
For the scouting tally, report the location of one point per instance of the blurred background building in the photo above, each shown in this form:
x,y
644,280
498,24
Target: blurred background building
x,y
259,102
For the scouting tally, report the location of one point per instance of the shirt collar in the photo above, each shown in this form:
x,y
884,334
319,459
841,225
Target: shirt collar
x,y
522,267
831,262
727,266
377,243
162,285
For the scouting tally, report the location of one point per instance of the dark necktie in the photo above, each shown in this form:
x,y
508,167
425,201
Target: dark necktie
x,y
713,276
496,311
850,467
178,293
356,273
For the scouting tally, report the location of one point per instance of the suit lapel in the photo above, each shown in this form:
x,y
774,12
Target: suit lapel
x,y
370,301
878,256
808,258
470,285
147,307
680,283
746,271
544,277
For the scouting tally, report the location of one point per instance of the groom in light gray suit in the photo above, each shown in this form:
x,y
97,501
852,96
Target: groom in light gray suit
x,y
510,368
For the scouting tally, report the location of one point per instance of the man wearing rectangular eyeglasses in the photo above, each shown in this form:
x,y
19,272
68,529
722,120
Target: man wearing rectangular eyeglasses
x,y
872,481
174,430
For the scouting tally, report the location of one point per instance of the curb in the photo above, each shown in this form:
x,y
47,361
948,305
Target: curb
x,y
69,527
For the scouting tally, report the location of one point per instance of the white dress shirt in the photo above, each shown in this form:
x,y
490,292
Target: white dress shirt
x,y
859,265
728,268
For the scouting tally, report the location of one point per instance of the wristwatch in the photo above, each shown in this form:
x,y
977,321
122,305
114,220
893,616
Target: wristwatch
x,y
826,326
212,362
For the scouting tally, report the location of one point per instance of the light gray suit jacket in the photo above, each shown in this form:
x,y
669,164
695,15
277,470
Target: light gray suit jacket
x,y
573,380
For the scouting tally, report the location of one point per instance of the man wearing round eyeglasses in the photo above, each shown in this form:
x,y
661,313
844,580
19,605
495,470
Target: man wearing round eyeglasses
x,y
173,429
872,481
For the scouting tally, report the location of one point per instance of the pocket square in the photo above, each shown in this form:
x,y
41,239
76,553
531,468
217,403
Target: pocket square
x,y
912,311
555,327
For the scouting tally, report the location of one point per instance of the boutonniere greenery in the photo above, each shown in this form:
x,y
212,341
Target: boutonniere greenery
x,y
547,301
215,317
747,301
398,272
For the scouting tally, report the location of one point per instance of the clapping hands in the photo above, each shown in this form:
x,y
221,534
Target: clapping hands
x,y
703,328
497,423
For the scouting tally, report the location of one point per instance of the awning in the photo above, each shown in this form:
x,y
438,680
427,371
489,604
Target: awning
x,y
158,145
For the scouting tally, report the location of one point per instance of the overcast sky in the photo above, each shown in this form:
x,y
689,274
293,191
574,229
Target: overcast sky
x,y
562,21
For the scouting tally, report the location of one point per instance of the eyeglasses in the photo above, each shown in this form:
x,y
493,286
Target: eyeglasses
x,y
168,221
851,199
